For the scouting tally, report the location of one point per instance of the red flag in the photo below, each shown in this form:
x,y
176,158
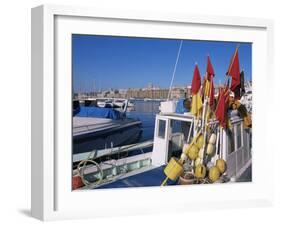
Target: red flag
x,y
196,107
221,111
210,69
196,81
234,71
208,86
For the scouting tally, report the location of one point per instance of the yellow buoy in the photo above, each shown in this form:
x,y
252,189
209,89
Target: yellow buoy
x,y
186,148
221,164
201,153
210,149
213,139
200,171
199,141
214,174
193,152
197,161
174,169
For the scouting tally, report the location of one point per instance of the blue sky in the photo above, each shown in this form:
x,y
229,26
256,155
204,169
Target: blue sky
x,y
104,62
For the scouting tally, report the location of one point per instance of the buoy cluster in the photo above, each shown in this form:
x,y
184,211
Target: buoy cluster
x,y
198,154
203,152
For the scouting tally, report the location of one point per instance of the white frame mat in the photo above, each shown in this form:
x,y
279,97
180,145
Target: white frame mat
x,y
52,197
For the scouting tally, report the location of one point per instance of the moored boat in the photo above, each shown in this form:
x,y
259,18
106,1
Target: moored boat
x,y
99,128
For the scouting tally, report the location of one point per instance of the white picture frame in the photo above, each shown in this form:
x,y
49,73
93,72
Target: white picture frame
x,y
52,197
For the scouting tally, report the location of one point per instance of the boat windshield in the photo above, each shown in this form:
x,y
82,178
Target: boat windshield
x,y
179,131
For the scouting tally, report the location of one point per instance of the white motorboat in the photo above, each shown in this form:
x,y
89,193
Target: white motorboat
x,y
99,128
91,133
118,103
105,103
131,104
114,103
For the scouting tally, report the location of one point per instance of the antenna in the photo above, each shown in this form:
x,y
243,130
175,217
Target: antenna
x,y
174,72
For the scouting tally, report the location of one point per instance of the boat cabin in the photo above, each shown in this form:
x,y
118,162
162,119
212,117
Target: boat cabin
x,y
172,131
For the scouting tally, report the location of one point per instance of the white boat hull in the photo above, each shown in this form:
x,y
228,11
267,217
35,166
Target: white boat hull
x,y
88,135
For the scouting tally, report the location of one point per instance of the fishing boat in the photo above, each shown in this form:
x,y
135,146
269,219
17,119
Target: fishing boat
x,y
99,128
172,131
174,134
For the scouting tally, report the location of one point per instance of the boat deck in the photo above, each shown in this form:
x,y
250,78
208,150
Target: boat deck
x,y
246,176
153,177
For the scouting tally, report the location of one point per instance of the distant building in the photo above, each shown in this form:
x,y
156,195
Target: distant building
x,y
141,93
148,93
178,92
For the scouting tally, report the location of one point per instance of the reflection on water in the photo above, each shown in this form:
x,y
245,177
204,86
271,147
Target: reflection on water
x,y
145,111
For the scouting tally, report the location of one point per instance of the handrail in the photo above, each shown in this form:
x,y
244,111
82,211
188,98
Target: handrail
x,y
111,151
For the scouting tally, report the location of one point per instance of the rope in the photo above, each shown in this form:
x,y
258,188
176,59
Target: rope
x,y
81,169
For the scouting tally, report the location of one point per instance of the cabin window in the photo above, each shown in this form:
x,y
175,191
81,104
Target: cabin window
x,y
179,131
181,128
161,128
239,136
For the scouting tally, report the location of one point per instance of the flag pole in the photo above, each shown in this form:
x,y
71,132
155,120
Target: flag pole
x,y
205,105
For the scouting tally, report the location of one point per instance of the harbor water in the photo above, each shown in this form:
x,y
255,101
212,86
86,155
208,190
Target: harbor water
x,y
145,111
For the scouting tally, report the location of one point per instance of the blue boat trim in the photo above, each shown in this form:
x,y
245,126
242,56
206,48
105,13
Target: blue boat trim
x,y
97,112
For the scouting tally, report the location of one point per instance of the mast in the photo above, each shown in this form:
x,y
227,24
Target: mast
x,y
174,72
